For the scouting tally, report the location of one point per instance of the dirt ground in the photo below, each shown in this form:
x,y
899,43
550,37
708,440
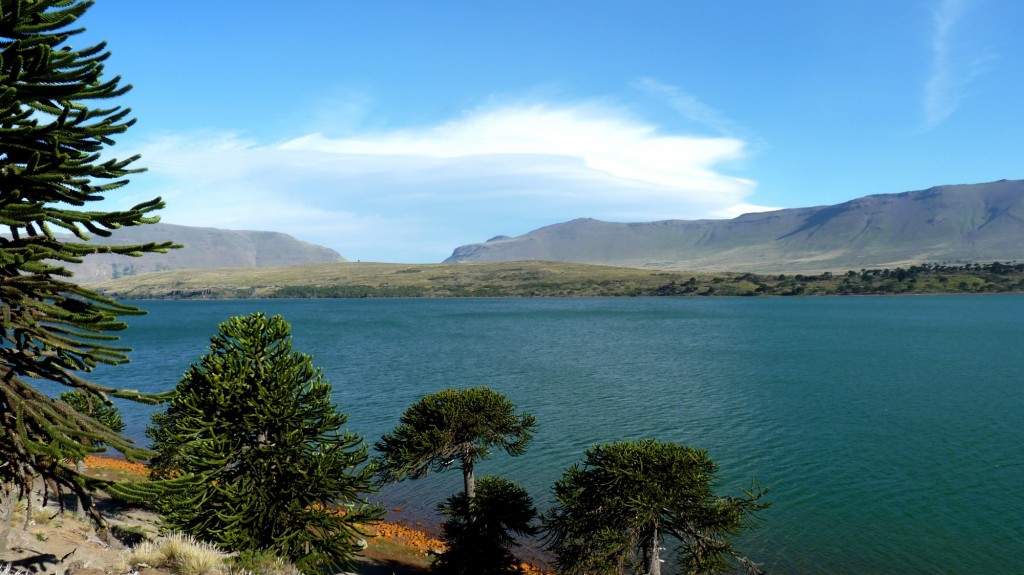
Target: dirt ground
x,y
63,544
55,544
51,543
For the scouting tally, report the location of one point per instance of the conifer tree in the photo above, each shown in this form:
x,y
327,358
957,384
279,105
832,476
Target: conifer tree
x,y
500,511
463,425
55,121
254,422
614,512
453,425
96,408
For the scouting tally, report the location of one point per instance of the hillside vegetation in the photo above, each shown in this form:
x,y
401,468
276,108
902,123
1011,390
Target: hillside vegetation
x,y
549,279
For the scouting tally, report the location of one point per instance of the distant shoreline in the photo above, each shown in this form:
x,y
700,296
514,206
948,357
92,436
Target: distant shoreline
x,y
549,279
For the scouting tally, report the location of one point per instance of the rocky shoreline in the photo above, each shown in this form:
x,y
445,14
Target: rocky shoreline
x,y
48,542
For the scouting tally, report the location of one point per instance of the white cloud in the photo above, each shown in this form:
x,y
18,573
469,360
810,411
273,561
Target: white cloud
x,y
414,195
689,106
951,72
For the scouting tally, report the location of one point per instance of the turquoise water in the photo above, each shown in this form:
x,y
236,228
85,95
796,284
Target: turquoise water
x,y
889,430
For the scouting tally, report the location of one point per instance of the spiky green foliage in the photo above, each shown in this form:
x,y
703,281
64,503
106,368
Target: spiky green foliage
x,y
480,535
614,511
453,425
253,420
55,120
147,493
93,406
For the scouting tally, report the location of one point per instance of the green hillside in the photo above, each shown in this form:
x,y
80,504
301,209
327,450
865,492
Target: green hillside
x,y
946,225
548,279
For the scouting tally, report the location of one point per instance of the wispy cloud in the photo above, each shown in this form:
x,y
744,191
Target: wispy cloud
x,y
415,194
951,71
690,106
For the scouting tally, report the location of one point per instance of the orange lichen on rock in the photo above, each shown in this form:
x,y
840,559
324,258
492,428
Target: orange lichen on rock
x,y
104,462
408,536
529,569
430,545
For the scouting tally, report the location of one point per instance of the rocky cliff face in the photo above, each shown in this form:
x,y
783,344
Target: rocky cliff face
x,y
951,224
203,248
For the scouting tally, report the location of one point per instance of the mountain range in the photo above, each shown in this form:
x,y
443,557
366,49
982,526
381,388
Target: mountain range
x,y
944,224
203,248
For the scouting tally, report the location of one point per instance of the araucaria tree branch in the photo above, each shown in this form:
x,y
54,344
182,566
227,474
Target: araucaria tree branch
x,y
56,120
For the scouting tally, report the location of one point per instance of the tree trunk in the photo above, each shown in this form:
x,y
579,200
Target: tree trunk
x,y
470,487
79,504
6,514
467,477
652,554
89,510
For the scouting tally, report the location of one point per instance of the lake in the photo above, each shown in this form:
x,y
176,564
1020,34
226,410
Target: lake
x,y
890,430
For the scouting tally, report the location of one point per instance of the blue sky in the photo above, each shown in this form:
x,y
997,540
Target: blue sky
x,y
397,131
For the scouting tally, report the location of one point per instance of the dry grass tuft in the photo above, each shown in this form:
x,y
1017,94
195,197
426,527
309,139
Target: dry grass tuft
x,y
185,555
182,554
145,553
43,516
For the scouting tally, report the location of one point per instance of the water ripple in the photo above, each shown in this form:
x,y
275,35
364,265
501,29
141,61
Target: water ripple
x,y
888,429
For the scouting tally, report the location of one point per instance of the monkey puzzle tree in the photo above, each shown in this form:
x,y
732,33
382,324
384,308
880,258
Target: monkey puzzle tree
x,y
453,425
253,421
462,425
500,511
55,120
95,408
614,512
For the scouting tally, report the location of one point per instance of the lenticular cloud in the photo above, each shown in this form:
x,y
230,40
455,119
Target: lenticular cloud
x,y
414,194
597,139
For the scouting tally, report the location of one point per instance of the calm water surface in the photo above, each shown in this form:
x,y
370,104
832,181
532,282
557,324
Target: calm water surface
x,y
889,430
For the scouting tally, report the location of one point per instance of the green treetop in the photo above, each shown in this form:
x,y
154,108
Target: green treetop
x,y
614,513
254,422
454,425
462,426
95,408
56,118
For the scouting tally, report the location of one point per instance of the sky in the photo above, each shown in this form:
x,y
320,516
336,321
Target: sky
x,y
397,131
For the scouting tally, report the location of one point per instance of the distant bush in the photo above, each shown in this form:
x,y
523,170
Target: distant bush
x,y
96,408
